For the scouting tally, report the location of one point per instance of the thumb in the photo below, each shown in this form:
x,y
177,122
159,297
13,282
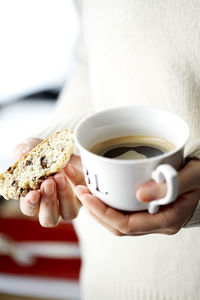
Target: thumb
x,y
150,191
23,148
188,178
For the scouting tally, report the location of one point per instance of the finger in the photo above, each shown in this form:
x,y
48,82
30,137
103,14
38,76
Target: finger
x,y
169,220
67,199
20,150
29,204
150,191
106,214
132,224
108,227
32,142
188,178
25,147
75,160
82,189
75,175
49,210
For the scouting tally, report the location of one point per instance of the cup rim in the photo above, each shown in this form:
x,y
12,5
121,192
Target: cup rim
x,y
128,161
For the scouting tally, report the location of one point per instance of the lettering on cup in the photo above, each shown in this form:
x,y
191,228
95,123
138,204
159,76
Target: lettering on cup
x,y
92,179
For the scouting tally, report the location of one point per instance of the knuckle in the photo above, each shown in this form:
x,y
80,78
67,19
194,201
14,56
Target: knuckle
x,y
47,203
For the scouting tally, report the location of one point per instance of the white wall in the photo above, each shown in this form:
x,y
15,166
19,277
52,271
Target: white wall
x,y
37,38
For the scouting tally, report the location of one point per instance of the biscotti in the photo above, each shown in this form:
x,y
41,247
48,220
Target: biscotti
x,y
46,159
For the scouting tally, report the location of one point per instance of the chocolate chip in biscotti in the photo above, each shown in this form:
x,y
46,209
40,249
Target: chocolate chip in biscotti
x,y
14,182
10,170
44,162
24,191
42,177
21,191
29,162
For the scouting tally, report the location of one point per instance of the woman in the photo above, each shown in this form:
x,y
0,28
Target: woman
x,y
132,53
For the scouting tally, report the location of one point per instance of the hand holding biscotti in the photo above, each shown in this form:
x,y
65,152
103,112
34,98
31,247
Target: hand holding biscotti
x,y
56,196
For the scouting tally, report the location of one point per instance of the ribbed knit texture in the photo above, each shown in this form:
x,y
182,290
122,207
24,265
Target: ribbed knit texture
x,y
138,53
147,267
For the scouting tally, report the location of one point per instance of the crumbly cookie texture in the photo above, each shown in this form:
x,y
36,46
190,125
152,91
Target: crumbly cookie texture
x,y
46,159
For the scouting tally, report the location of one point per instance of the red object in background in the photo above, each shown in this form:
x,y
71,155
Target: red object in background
x,y
30,233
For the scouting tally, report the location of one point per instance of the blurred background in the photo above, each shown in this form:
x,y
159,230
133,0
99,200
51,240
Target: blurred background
x,y
36,60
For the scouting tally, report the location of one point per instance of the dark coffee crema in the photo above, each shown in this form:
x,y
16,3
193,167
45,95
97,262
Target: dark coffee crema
x,y
132,147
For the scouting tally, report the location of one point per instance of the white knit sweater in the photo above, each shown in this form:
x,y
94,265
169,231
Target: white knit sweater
x,y
139,52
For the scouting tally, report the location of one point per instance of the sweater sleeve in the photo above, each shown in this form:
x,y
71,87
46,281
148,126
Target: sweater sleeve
x,y
193,153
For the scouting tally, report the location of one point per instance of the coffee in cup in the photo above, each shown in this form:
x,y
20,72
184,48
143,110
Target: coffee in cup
x,y
132,147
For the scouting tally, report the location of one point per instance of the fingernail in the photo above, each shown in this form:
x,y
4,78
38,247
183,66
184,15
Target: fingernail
x,y
70,170
49,189
33,201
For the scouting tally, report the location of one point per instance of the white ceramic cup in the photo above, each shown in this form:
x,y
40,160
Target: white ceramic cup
x,y
115,181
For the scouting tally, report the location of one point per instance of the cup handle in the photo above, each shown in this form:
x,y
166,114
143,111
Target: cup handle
x,y
169,174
